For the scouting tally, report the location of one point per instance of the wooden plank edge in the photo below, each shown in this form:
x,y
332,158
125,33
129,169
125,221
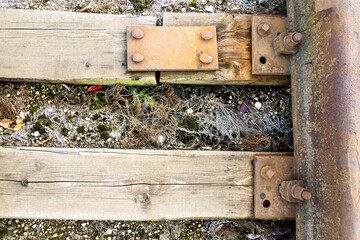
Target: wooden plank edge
x,y
129,81
106,200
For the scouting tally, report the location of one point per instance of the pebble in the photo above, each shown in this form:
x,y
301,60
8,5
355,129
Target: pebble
x,y
258,105
36,134
161,139
183,10
210,9
22,115
109,231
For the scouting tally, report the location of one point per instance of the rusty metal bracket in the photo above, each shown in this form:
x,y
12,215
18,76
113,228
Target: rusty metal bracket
x,y
171,49
270,172
265,61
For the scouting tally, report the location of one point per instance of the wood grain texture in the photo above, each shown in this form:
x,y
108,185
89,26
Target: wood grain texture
x,y
125,184
234,48
66,47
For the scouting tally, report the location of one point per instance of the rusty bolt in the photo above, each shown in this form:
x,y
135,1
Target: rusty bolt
x,y
206,35
300,193
25,182
267,172
297,37
137,57
263,29
137,33
292,39
306,195
205,58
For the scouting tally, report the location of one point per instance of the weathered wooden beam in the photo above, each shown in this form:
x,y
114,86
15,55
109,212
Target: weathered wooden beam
x,y
64,47
234,48
125,184
81,48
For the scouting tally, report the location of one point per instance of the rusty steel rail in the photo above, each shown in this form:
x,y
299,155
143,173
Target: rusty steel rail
x,y
326,114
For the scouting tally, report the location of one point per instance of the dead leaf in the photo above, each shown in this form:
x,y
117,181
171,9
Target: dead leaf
x,y
5,123
46,140
18,125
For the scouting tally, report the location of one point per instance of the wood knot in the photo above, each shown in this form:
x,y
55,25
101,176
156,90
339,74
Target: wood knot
x,y
144,199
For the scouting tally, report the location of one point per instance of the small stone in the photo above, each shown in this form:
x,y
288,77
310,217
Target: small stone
x,y
258,105
183,10
83,224
161,139
22,115
36,134
210,9
192,8
109,231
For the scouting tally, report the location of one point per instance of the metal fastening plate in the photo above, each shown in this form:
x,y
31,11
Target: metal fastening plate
x,y
171,48
264,59
270,171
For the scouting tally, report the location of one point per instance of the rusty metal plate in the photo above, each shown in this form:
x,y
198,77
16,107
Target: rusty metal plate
x,y
171,48
267,200
265,61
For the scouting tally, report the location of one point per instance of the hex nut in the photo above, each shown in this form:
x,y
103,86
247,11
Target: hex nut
x,y
267,172
263,29
137,57
137,33
207,35
205,58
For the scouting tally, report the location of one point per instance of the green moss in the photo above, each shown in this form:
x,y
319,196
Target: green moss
x,y
69,117
102,128
140,5
33,108
38,127
189,124
132,81
105,136
95,117
208,89
44,120
64,131
56,119
98,101
74,138
80,129
51,96
27,119
192,4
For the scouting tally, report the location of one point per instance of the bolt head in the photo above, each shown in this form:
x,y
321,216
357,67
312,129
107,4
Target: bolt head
x,y
264,29
207,35
137,33
267,172
137,57
297,37
205,58
306,195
